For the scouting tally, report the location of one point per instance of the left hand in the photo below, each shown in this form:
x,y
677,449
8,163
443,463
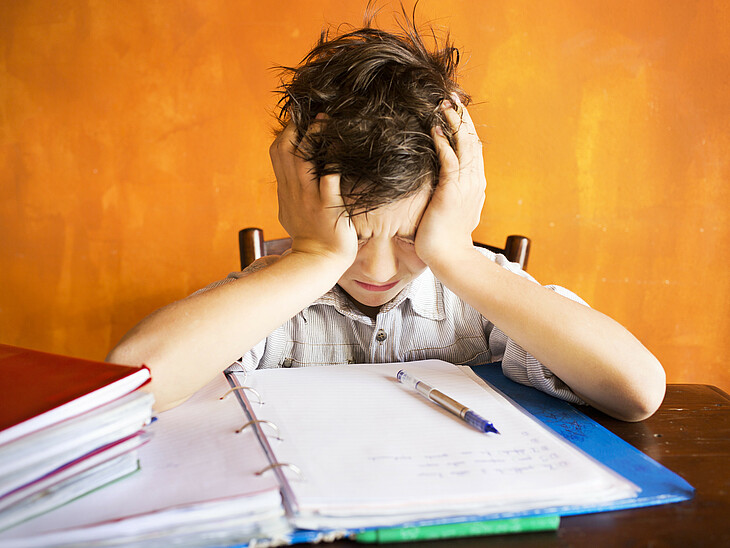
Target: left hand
x,y
456,205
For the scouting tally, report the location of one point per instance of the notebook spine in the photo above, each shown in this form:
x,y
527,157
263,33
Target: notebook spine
x,y
276,467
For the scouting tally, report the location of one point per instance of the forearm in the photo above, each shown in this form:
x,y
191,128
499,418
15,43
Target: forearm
x,y
594,355
188,342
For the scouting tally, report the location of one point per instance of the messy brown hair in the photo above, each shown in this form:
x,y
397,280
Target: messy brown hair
x,y
381,92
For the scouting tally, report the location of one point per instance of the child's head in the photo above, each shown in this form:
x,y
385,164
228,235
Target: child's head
x,y
381,93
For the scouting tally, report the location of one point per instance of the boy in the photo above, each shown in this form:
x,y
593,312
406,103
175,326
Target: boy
x,y
380,184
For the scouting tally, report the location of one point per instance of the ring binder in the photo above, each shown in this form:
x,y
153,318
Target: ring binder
x,y
287,493
253,390
242,370
261,421
293,467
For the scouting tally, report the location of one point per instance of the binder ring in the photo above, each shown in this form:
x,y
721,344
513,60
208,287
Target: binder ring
x,y
293,467
260,421
253,390
239,362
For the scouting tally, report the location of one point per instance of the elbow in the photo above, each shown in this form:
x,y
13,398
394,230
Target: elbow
x,y
122,356
126,353
655,382
645,408
647,394
164,380
636,397
651,400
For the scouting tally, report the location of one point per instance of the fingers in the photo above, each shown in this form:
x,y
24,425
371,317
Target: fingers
x,y
295,177
468,145
329,191
305,169
281,149
447,157
462,169
306,201
328,186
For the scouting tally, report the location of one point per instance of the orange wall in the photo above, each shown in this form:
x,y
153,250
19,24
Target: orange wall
x,y
134,136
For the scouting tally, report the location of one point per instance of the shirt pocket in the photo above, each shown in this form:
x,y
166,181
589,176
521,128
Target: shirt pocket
x,y
304,354
466,350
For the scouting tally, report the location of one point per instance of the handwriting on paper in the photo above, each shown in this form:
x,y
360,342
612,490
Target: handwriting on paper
x,y
532,457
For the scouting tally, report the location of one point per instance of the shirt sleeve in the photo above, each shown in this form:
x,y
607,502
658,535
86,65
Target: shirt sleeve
x,y
518,364
250,360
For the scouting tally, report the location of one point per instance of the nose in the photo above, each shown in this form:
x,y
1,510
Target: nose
x,y
378,261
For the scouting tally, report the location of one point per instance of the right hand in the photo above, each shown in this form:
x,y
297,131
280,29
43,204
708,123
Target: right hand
x,y
311,210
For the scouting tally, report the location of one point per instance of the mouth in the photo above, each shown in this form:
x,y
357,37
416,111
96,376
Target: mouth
x,y
374,287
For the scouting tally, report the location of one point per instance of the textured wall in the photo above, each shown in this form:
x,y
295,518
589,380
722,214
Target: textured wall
x,y
134,137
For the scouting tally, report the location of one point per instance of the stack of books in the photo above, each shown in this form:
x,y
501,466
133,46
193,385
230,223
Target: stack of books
x,y
68,426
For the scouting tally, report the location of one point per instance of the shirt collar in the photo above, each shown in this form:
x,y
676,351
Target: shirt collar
x,y
337,298
426,295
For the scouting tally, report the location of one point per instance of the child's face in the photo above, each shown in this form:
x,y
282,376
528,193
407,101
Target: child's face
x,y
386,260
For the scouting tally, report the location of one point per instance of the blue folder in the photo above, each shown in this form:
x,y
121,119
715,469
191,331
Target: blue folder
x,y
658,484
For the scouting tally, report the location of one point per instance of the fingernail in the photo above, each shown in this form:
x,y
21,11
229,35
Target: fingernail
x,y
438,130
445,104
455,97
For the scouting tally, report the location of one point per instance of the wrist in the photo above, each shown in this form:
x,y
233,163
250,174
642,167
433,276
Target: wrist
x,y
457,261
336,254
449,254
329,266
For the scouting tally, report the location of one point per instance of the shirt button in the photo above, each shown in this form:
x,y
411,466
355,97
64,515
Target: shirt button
x,y
287,362
381,336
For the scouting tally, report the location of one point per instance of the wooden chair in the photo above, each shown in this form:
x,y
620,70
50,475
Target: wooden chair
x,y
251,245
516,249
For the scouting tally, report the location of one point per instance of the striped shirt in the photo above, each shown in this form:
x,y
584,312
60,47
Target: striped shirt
x,y
424,321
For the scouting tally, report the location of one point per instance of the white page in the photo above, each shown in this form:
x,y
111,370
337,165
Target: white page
x,y
370,446
195,462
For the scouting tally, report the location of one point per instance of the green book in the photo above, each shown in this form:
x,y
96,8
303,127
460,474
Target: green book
x,y
454,530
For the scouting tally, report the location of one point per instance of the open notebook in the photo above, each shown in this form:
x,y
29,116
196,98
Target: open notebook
x,y
372,452
368,451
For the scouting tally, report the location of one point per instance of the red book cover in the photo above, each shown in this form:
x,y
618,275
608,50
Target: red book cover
x,y
38,389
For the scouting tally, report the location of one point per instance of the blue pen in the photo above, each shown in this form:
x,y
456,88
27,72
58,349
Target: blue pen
x,y
461,411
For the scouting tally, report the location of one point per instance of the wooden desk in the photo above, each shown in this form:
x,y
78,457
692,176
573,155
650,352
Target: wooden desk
x,y
690,435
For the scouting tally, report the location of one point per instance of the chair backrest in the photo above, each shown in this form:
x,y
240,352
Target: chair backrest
x,y
252,246
516,249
